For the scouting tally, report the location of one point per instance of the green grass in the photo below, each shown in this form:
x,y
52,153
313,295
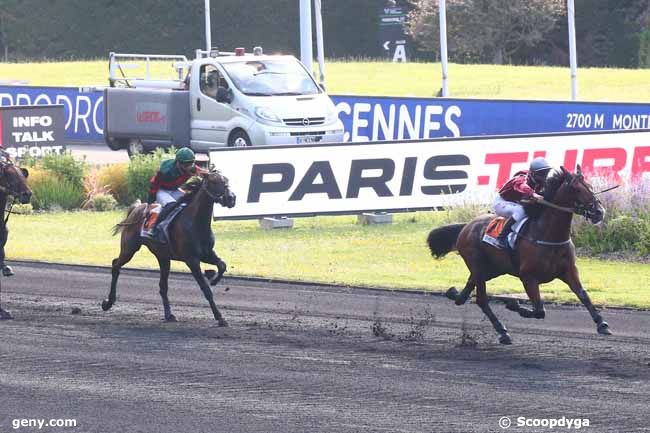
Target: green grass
x,y
406,79
335,249
325,249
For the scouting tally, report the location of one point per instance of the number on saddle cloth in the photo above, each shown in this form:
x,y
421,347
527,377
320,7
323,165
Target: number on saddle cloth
x,y
493,231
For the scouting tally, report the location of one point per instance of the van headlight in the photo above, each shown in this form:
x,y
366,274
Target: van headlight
x,y
332,116
267,115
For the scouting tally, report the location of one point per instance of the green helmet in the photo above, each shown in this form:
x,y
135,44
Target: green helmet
x,y
184,155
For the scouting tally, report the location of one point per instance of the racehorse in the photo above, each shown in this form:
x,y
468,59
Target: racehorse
x,y
544,250
190,239
13,182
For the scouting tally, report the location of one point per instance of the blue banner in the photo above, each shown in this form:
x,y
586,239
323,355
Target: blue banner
x,y
83,110
369,118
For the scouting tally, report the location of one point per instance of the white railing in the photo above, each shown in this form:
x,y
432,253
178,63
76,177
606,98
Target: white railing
x,y
119,62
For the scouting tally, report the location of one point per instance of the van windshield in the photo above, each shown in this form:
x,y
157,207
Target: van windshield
x,y
271,77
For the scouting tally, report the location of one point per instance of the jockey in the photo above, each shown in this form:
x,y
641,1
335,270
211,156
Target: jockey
x,y
165,183
524,185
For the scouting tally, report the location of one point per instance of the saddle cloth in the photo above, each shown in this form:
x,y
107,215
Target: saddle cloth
x,y
151,216
494,229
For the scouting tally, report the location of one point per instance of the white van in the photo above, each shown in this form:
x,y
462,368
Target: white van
x,y
217,100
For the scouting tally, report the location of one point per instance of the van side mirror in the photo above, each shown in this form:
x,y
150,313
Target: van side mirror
x,y
322,86
224,95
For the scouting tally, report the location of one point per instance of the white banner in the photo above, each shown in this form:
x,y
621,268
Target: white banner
x,y
393,176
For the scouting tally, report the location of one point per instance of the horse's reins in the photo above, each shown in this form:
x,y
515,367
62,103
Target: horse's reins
x,y
210,193
560,208
12,193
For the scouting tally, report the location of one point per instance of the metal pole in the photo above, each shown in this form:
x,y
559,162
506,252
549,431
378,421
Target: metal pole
x,y
319,41
572,49
306,55
208,30
442,9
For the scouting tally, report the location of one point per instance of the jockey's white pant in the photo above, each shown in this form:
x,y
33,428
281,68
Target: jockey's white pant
x,y
507,208
164,196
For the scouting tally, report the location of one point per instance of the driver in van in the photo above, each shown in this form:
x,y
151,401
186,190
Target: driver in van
x,y
212,82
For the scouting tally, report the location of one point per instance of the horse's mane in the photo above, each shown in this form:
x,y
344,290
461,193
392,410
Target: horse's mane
x,y
193,184
554,180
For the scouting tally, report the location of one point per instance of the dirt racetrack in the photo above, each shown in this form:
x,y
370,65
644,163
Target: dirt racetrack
x,y
304,358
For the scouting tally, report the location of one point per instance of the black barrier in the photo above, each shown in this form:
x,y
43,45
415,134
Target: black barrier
x,y
34,130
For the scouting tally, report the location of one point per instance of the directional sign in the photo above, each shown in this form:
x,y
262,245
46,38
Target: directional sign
x,y
392,32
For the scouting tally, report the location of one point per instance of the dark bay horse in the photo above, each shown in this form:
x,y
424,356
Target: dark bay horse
x,y
191,239
544,250
13,182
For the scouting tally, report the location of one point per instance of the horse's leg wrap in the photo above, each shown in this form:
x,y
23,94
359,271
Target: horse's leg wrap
x,y
5,315
214,277
536,313
601,325
195,267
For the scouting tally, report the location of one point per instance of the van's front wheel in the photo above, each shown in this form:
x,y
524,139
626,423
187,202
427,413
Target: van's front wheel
x,y
239,138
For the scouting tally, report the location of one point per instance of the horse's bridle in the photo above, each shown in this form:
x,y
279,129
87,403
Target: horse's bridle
x,y
586,210
213,196
3,165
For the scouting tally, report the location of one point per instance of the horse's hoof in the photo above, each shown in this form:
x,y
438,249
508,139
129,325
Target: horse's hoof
x,y
512,305
222,323
170,318
452,293
106,305
603,329
5,315
505,339
7,271
209,273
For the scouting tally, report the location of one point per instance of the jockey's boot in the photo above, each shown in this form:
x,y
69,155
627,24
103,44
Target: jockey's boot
x,y
507,227
159,217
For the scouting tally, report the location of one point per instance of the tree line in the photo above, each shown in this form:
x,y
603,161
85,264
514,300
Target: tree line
x,y
609,32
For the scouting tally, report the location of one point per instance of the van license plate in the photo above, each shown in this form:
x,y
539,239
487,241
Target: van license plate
x,y
309,139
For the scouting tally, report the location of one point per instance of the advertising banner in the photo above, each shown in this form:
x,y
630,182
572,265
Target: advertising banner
x,y
413,175
368,118
371,118
83,110
32,130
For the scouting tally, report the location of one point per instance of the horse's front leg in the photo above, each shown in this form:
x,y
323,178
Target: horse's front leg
x,y
195,266
6,270
163,284
212,258
532,290
482,302
572,279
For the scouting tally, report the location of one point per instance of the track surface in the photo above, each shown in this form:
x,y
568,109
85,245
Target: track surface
x,y
300,358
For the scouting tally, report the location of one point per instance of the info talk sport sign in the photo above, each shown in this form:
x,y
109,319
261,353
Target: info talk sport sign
x,y
32,130
412,175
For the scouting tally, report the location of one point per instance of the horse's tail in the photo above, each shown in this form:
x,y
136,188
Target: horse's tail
x,y
134,215
443,239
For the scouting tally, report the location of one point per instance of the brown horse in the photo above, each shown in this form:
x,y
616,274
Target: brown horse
x,y
544,250
13,182
191,239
